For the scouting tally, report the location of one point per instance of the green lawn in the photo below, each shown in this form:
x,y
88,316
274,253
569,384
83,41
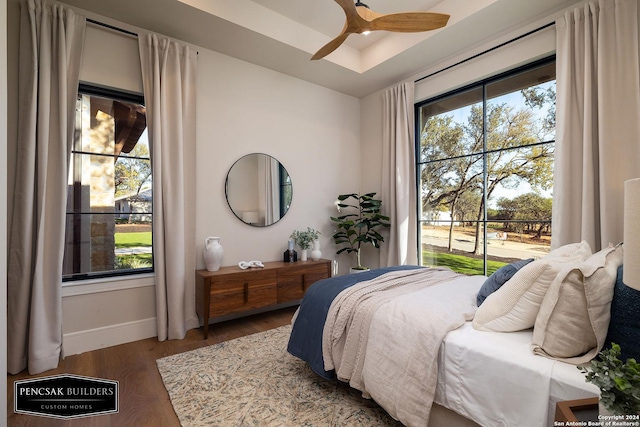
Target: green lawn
x,y
130,240
459,263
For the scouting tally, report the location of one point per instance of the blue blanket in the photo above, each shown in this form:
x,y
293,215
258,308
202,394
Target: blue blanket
x,y
305,341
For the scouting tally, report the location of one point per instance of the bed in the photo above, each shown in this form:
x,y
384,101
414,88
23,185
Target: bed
x,y
358,329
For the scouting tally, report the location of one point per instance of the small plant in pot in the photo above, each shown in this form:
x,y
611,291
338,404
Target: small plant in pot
x,y
304,240
618,381
359,225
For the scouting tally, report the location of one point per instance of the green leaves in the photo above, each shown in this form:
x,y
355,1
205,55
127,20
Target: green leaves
x,y
619,382
304,239
359,225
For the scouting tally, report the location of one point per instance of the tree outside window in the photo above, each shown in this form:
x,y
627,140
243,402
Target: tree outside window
x,y
485,165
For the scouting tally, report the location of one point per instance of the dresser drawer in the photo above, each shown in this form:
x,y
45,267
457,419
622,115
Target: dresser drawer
x,y
233,291
241,292
293,282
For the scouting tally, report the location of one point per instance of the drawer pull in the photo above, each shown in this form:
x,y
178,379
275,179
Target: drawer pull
x,y
246,292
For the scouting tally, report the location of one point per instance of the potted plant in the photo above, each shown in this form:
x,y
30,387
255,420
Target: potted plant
x,y
359,225
304,239
618,381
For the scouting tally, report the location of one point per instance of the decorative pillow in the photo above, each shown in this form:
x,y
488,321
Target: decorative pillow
x,y
624,327
574,315
571,250
499,278
515,305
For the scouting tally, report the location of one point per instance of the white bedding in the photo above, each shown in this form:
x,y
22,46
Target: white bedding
x,y
401,368
350,318
383,336
495,379
492,378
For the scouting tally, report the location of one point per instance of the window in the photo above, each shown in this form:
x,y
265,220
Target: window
x,y
109,201
485,171
286,190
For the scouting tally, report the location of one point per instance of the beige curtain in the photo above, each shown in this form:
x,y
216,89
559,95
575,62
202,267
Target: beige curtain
x,y
51,40
598,133
398,175
169,80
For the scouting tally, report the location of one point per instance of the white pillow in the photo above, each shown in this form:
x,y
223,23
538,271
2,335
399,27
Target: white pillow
x,y
515,305
574,316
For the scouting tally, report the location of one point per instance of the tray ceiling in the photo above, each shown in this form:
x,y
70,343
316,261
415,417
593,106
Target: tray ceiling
x,y
283,34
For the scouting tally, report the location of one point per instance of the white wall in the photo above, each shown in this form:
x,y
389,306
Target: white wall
x,y
312,131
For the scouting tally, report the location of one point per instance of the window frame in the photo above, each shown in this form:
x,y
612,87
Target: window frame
x,y
419,163
92,279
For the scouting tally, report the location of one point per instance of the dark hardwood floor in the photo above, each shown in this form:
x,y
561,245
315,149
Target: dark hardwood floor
x,y
143,399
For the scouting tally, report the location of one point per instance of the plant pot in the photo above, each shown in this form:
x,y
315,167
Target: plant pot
x,y
358,270
303,255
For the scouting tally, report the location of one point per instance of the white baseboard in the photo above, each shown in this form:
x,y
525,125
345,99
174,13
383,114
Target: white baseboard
x,y
94,339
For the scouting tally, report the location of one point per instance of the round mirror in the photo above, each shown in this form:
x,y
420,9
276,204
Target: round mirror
x,y
258,189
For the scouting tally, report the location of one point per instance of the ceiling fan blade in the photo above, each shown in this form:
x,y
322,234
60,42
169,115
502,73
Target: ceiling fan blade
x,y
410,22
330,47
348,6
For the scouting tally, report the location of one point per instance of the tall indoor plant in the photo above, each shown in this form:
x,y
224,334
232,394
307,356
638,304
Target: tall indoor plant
x,y
360,224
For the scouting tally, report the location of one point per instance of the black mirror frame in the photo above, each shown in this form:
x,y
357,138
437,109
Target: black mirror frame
x,y
226,190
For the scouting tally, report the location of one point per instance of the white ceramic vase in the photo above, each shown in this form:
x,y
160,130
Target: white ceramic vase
x,y
303,254
212,253
316,253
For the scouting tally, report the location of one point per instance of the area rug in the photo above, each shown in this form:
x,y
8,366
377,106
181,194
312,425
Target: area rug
x,y
253,381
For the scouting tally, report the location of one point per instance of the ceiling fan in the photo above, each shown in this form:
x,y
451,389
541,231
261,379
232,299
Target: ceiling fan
x,y
361,19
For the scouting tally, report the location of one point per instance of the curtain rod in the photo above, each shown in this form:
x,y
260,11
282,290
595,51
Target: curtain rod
x,y
111,27
121,30
487,51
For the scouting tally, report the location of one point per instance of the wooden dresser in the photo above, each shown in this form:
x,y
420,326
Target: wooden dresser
x,y
232,290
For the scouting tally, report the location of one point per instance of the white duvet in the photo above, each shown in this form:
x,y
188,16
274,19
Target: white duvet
x,y
394,359
420,347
